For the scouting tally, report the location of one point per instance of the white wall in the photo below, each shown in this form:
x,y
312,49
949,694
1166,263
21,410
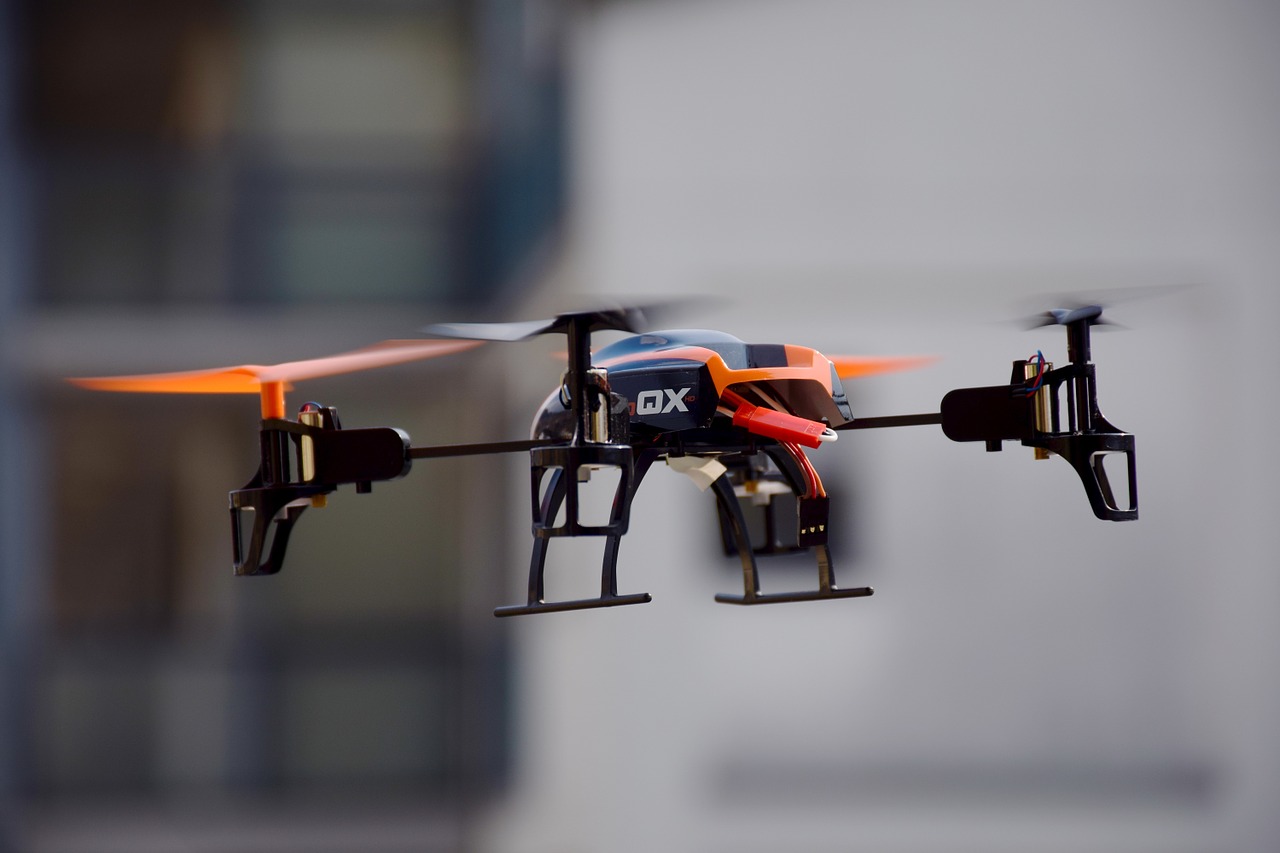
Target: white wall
x,y
901,177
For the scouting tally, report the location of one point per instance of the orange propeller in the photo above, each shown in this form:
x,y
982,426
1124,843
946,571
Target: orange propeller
x,y
857,366
271,381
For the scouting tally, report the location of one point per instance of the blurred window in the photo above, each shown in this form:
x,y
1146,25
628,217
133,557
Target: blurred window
x,y
214,152
354,667
323,158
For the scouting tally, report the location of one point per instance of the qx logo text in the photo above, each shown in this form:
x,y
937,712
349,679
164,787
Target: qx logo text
x,y
655,403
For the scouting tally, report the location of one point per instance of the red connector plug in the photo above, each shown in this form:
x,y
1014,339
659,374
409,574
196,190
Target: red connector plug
x,y
774,424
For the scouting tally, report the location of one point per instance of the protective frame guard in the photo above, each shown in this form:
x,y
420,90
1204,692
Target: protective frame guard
x,y
1085,453
284,487
1007,412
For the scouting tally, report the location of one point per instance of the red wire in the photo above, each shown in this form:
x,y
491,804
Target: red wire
x,y
812,480
818,489
808,483
817,480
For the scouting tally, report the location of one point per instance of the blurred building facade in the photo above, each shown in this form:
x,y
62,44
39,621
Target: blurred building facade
x,y
226,182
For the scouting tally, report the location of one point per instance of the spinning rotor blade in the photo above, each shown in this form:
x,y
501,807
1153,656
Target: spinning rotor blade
x,y
270,381
1066,316
630,318
249,378
229,380
857,366
378,355
1090,305
1090,314
507,332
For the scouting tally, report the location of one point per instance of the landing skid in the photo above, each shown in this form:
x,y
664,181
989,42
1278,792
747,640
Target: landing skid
x,y
560,467
751,594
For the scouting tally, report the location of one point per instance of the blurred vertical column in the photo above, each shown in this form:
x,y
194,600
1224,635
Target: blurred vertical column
x,y
17,560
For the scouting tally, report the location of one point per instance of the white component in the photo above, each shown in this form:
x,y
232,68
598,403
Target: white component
x,y
703,470
761,492
828,435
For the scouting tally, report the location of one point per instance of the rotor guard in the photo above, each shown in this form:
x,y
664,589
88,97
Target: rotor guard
x,y
275,510
302,462
1085,453
1030,409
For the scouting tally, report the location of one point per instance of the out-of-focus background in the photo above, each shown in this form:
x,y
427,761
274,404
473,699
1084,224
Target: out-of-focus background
x,y
208,183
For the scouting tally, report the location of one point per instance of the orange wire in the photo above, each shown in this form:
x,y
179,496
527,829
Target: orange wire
x,y
818,488
813,481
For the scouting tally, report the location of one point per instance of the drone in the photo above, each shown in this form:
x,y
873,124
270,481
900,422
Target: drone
x,y
735,417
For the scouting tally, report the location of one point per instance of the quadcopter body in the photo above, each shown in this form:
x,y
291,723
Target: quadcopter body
x,y
675,380
735,417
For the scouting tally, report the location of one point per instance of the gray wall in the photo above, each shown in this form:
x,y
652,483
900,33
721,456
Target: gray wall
x,y
903,177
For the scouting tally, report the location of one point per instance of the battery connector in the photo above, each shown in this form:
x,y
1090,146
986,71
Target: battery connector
x,y
774,424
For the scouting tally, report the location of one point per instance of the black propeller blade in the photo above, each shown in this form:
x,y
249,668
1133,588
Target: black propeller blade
x,y
1088,305
630,319
1092,314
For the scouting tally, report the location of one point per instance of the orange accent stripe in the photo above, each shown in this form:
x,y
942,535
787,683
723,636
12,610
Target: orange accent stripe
x,y
802,363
